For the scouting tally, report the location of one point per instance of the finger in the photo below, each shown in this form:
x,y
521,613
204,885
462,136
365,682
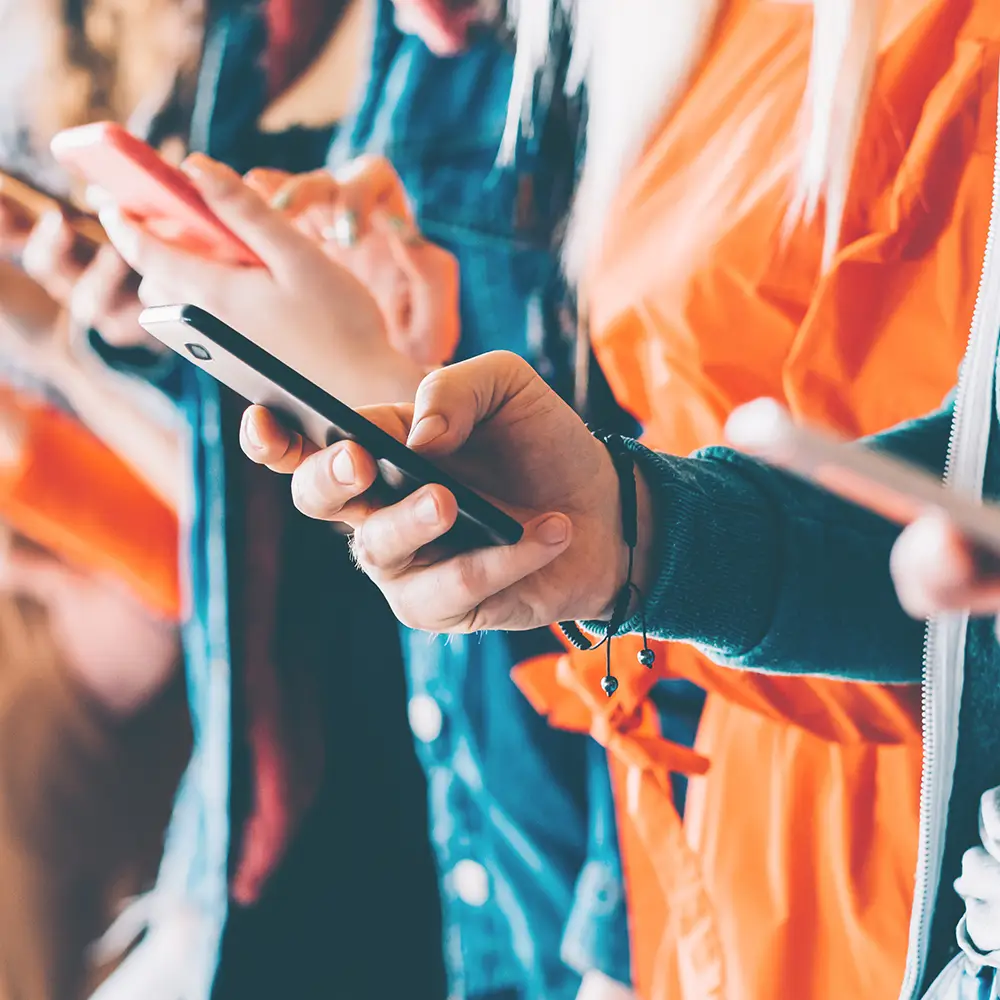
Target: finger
x,y
326,483
174,273
404,241
265,441
369,183
305,191
432,284
263,229
100,289
980,878
468,592
451,401
48,257
389,539
935,569
266,182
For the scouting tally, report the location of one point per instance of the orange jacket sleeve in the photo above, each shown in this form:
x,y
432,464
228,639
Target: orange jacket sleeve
x,y
74,496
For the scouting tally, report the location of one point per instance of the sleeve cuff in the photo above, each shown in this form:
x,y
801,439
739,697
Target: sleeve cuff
x,y
155,368
701,525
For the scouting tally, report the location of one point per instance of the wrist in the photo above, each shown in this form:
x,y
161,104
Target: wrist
x,y
646,530
62,368
627,564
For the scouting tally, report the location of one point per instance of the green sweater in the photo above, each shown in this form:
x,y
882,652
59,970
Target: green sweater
x,y
766,572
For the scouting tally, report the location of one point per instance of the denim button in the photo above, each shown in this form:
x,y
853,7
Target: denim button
x,y
471,881
425,717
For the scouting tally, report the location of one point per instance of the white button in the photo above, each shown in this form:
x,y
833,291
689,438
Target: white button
x,y
425,717
471,882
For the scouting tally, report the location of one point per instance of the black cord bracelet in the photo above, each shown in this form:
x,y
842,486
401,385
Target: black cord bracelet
x,y
625,467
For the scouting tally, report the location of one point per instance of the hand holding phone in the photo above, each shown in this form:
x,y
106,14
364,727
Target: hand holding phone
x,y
891,487
27,205
260,378
504,432
150,190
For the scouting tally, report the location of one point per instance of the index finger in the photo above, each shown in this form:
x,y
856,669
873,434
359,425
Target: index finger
x,y
371,183
267,442
187,277
265,181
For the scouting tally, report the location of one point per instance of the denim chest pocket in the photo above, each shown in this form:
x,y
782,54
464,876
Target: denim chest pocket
x,y
486,215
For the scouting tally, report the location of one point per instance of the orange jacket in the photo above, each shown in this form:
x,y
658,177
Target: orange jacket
x,y
793,874
72,495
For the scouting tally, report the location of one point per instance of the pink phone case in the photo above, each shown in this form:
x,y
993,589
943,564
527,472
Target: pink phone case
x,y
147,187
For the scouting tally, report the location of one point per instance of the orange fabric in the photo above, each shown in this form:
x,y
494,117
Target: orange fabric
x,y
74,496
805,825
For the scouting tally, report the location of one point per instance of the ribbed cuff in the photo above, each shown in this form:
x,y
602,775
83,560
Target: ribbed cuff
x,y
714,555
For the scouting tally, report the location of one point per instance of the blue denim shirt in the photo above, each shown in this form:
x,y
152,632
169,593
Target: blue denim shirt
x,y
193,879
521,815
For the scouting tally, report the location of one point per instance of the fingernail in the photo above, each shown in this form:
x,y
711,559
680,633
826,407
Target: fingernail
x,y
342,467
426,430
251,434
553,530
210,175
282,199
426,511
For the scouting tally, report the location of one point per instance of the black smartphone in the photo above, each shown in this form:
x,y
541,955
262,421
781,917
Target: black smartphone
x,y
303,406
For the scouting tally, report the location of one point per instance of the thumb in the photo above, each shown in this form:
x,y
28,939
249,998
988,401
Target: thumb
x,y
452,401
244,212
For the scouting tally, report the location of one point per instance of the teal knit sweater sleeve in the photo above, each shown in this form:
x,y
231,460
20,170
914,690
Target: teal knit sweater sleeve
x,y
767,572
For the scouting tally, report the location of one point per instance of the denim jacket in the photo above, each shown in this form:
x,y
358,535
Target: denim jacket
x,y
184,916
521,815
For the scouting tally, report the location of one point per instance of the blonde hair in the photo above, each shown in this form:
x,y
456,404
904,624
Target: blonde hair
x,y
637,57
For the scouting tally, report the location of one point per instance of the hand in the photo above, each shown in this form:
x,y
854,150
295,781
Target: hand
x,y
99,290
936,569
15,228
500,429
299,306
121,653
362,219
979,883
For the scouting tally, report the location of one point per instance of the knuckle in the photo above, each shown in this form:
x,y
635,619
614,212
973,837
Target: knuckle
x,y
469,577
307,498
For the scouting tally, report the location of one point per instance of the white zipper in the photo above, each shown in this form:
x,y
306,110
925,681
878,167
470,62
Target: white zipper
x,y
944,650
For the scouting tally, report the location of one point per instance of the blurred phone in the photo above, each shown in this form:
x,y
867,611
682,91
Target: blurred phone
x,y
897,490
260,378
148,188
31,203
